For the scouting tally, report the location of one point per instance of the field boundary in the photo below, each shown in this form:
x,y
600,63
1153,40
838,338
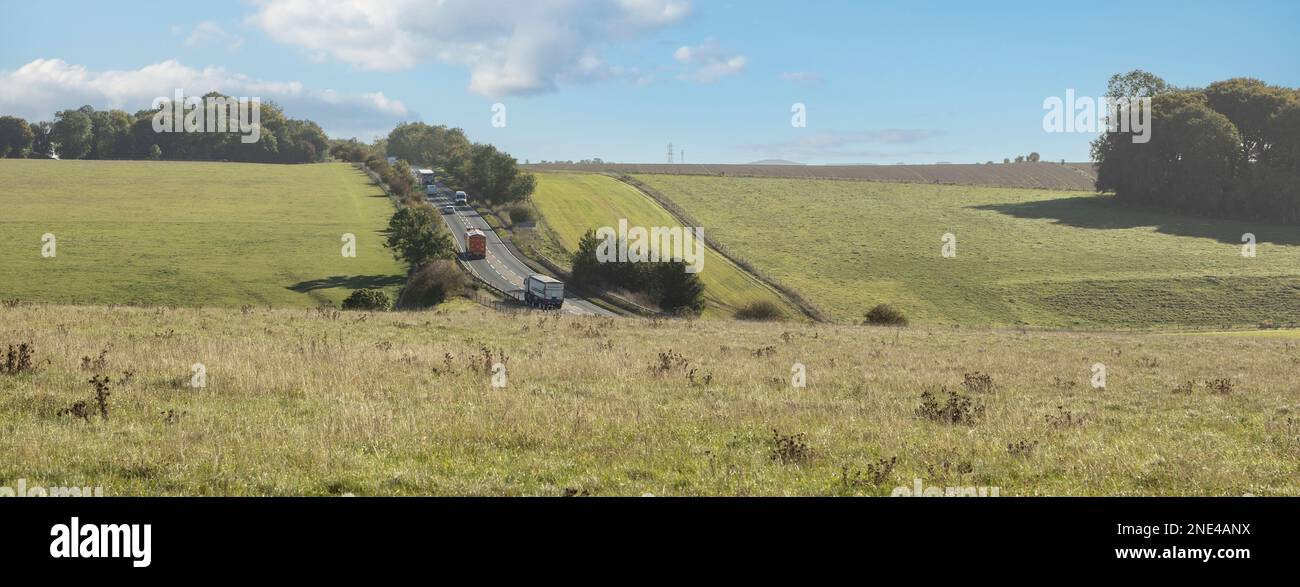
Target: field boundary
x,y
788,293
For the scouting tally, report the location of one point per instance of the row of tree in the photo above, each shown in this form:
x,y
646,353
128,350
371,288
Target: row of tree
x,y
1231,149
86,133
486,173
672,288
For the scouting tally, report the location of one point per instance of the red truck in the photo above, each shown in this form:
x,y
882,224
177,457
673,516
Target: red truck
x,y
475,244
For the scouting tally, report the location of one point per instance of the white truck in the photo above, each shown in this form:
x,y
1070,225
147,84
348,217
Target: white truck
x,y
461,198
545,292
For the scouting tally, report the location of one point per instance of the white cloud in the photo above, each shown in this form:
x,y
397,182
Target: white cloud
x,y
209,33
38,89
708,62
509,47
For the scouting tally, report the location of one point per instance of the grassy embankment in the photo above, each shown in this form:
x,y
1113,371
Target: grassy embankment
x,y
1024,257
190,234
572,203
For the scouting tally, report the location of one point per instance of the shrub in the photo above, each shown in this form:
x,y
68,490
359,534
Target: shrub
x,y
519,213
17,360
433,284
955,409
367,299
789,449
760,310
978,382
886,315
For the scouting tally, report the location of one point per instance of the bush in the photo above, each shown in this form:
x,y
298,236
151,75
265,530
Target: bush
x,y
760,310
433,284
886,315
367,299
520,214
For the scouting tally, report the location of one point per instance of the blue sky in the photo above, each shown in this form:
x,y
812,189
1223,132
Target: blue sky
x,y
883,82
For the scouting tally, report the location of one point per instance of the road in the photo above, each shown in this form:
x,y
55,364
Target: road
x,y
500,268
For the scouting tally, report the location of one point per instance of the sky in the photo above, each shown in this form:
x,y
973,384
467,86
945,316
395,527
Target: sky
x,y
879,82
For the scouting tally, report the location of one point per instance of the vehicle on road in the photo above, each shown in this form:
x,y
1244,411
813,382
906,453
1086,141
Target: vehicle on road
x,y
425,176
476,245
448,209
541,291
461,198
431,189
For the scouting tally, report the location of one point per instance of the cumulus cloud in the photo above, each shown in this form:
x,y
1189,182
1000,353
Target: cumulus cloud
x,y
708,62
509,47
38,89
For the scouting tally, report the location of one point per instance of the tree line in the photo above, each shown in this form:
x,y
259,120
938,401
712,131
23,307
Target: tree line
x,y
1230,149
672,288
86,133
484,172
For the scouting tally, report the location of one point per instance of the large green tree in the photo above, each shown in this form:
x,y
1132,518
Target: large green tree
x,y
15,136
110,134
72,133
678,291
1250,104
1136,84
415,235
41,142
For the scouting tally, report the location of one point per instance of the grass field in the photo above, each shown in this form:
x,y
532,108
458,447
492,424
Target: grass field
x,y
190,234
573,203
1024,257
326,403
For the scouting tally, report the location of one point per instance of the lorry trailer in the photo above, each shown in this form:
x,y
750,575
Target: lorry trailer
x,y
475,244
541,291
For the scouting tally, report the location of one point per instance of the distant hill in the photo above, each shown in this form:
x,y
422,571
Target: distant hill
x,y
1042,175
774,162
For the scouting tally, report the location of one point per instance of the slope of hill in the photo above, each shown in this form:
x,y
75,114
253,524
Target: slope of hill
x,y
1023,257
1056,176
190,234
573,203
401,403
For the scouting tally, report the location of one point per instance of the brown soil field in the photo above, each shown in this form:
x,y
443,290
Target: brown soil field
x,y
1043,175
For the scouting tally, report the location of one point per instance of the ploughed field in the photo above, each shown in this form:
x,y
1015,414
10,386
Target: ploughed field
x,y
1044,175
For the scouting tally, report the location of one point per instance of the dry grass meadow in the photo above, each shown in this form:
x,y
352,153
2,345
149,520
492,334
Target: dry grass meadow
x,y
321,402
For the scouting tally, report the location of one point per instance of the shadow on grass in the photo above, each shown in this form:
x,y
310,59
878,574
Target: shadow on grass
x,y
1105,212
349,282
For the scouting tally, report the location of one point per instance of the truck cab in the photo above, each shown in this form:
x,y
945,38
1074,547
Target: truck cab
x,y
461,198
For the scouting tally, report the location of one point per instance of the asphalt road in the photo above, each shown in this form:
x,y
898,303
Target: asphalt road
x,y
500,267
